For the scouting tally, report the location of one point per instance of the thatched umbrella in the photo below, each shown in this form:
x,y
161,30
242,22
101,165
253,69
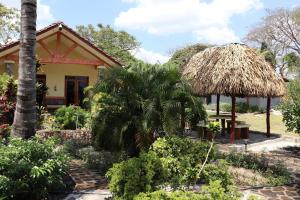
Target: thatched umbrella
x,y
234,70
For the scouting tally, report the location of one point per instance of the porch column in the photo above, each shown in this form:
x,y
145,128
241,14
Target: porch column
x,y
8,65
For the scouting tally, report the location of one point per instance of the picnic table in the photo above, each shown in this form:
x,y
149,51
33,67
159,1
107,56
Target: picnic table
x,y
223,118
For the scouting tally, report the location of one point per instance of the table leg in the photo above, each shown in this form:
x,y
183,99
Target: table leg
x,y
228,126
223,126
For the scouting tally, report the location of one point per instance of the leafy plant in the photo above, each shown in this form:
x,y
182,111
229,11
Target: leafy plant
x,y
171,161
29,169
131,106
70,117
8,92
241,108
291,107
218,171
214,127
129,178
73,146
100,160
213,191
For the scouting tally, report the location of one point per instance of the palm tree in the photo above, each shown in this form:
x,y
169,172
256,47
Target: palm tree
x,y
134,105
25,114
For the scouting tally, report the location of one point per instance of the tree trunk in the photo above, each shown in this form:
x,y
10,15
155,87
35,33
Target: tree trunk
x,y
232,130
25,115
268,117
182,117
218,104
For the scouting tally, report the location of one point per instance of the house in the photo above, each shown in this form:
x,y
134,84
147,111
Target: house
x,y
70,63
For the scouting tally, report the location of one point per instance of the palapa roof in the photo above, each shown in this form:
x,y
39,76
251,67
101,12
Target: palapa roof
x,y
233,69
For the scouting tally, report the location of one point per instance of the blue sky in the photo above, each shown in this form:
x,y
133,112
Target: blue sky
x,y
162,25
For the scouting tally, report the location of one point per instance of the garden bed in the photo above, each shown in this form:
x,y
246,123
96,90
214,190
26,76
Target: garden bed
x,y
84,136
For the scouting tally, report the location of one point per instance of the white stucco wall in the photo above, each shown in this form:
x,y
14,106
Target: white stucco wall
x,y
254,101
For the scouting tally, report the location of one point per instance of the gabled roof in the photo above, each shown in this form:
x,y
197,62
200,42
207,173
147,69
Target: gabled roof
x,y
54,28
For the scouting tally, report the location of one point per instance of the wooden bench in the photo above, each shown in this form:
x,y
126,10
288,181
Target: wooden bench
x,y
241,129
203,132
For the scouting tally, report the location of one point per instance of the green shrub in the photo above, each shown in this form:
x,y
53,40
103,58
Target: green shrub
x,y
241,108
70,117
73,146
291,107
177,147
100,160
29,169
276,173
182,158
171,161
218,171
213,191
129,178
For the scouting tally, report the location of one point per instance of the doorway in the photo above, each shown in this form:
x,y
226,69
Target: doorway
x,y
74,87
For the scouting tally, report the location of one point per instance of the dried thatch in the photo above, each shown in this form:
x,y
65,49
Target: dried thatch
x,y
233,70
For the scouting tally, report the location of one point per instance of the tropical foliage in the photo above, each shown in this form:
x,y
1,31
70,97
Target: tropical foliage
x,y
70,117
213,191
130,107
291,107
29,169
9,24
182,56
171,162
8,91
117,43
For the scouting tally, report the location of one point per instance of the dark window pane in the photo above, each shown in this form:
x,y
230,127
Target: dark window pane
x,y
70,92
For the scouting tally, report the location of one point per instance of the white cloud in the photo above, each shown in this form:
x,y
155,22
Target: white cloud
x,y
150,56
44,15
208,20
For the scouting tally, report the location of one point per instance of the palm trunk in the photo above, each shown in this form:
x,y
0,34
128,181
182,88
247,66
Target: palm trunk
x,y
25,114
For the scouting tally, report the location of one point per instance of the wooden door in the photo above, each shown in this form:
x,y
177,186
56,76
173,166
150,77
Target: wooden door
x,y
74,88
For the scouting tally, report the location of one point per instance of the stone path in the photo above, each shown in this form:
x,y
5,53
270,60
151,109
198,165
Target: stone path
x,y
89,184
291,158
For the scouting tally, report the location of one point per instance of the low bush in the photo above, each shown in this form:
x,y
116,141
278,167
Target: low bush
x,y
241,108
182,158
70,117
8,94
30,169
5,132
218,171
291,107
73,146
213,191
100,160
276,173
171,161
129,178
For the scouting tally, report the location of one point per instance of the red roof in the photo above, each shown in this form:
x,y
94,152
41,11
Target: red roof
x,y
56,24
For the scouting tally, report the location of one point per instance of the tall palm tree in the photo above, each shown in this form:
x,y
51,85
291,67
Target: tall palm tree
x,y
25,114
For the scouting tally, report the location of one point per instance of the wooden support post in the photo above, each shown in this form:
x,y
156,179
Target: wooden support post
x,y
218,104
268,116
232,130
